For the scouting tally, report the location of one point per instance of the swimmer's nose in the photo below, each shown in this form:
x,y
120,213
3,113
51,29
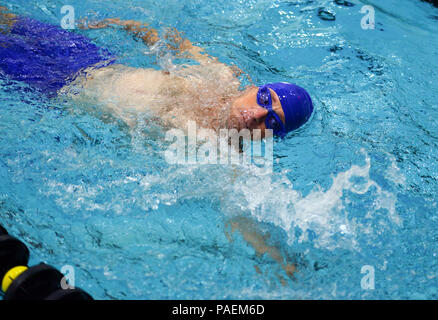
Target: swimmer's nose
x,y
260,114
254,117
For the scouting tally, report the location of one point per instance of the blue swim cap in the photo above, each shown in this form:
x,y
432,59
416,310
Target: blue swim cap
x,y
296,103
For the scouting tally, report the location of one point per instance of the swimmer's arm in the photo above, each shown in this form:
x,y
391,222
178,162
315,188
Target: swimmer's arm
x,y
189,50
175,41
140,30
150,36
259,242
6,18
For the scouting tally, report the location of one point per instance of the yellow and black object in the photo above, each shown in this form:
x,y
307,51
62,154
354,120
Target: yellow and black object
x,y
40,282
13,253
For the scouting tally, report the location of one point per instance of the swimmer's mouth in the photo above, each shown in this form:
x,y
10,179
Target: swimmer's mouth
x,y
241,120
246,120
239,123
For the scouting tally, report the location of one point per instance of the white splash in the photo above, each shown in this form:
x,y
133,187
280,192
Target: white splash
x,y
320,217
321,211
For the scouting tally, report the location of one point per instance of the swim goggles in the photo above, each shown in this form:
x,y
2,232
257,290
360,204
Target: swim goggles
x,y
272,120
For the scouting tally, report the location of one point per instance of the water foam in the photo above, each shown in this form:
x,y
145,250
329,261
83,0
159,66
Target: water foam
x,y
320,216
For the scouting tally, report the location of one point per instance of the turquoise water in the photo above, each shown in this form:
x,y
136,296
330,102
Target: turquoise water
x,y
355,187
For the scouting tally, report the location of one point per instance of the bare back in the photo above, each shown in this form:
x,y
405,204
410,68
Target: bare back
x,y
200,93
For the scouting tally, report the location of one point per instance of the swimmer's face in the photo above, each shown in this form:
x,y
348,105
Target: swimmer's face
x,y
247,114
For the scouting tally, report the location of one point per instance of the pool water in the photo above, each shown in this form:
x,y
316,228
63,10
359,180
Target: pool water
x,y
353,190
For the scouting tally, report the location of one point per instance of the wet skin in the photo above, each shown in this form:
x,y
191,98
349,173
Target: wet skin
x,y
247,114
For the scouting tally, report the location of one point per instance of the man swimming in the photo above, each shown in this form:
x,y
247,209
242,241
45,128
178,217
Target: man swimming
x,y
56,61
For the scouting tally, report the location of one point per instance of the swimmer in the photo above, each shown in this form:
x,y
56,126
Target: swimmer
x,y
60,62
57,61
